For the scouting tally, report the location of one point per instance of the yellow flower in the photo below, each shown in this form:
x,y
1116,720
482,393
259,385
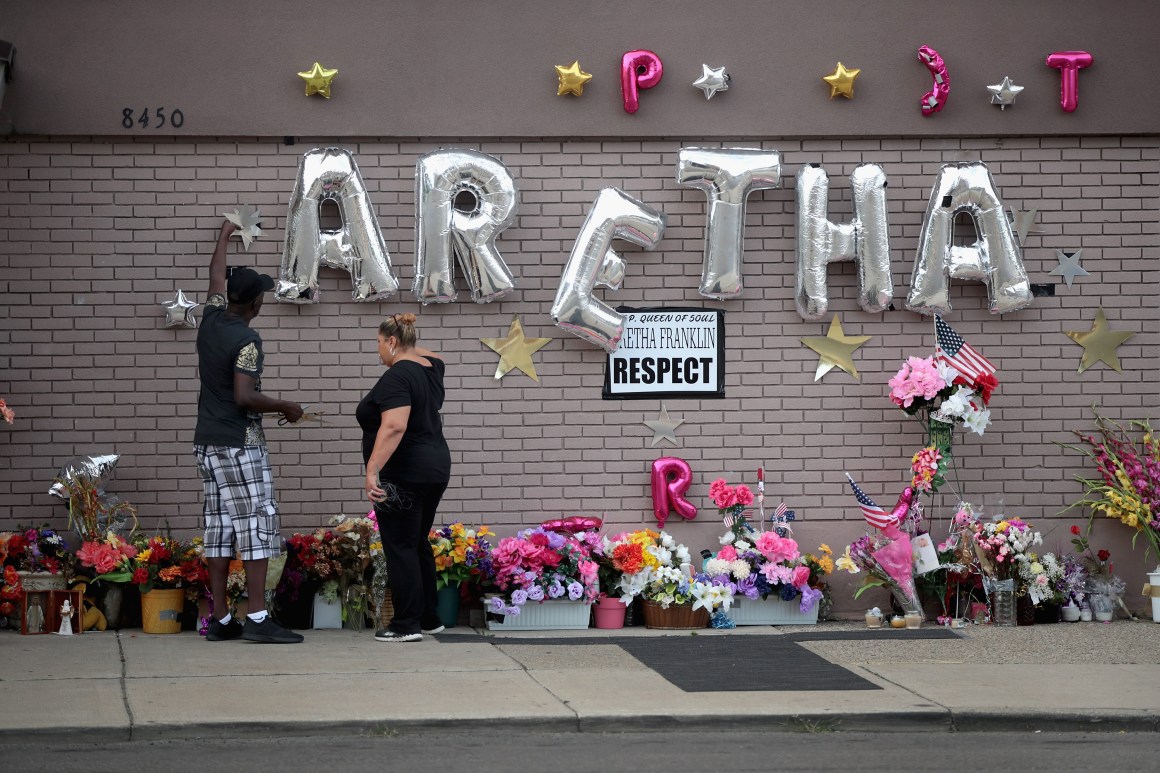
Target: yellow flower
x,y
846,563
827,564
1001,527
143,556
825,549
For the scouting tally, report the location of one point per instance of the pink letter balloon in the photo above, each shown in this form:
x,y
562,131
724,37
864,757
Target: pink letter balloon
x,y
671,478
1069,63
638,70
935,99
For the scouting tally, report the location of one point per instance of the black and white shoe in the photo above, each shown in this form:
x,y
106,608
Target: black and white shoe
x,y
440,628
386,634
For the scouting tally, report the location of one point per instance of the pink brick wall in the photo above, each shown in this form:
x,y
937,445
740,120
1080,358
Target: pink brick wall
x,y
94,234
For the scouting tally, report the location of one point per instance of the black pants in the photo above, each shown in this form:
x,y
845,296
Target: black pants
x,y
405,517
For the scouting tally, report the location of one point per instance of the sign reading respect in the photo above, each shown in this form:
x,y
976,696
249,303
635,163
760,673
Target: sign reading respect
x,y
668,353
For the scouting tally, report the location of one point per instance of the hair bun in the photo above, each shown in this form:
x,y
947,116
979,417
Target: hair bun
x,y
406,319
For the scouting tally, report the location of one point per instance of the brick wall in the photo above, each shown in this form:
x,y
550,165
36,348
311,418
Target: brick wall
x,y
94,234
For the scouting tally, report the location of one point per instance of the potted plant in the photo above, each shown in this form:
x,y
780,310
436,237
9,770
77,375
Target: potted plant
x,y
547,580
1039,576
339,559
462,555
1001,547
166,571
40,557
673,596
621,559
110,561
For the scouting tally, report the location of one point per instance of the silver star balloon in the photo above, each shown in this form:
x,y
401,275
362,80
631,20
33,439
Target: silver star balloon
x,y
712,80
179,311
1003,94
246,218
663,427
1069,267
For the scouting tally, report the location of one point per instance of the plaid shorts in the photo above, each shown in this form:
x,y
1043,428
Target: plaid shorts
x,y
239,502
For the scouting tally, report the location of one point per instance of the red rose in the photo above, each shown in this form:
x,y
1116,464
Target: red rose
x,y
986,384
1075,530
140,576
1104,555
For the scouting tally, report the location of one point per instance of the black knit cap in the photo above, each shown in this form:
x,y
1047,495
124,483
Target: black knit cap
x,y
246,284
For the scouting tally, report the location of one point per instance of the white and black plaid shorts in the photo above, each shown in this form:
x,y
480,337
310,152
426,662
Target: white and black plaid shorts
x,y
239,502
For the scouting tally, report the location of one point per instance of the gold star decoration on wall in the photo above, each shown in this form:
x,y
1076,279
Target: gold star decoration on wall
x,y
516,350
572,79
1100,343
318,80
836,349
841,81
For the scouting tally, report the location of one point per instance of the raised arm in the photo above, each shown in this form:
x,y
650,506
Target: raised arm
x,y
217,264
419,350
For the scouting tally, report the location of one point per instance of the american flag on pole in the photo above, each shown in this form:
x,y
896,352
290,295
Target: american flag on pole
x,y
875,516
954,351
780,511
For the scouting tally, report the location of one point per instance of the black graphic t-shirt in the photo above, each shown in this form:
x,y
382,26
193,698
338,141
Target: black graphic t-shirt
x,y
422,455
226,345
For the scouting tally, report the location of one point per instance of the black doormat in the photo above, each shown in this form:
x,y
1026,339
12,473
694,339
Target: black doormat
x,y
741,663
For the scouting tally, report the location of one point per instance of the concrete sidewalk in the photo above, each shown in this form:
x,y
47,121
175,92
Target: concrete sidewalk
x,y
127,685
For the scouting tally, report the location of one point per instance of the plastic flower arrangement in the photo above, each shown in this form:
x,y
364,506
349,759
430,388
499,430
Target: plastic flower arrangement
x,y
1098,572
622,561
929,469
462,554
666,575
11,591
1040,576
1001,546
942,395
539,565
111,558
35,550
1128,488
730,500
757,564
162,562
875,554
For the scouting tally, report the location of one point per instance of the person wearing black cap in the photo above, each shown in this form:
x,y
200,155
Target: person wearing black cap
x,y
240,510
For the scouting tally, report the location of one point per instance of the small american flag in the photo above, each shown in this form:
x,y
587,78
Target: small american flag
x,y
954,351
780,511
874,515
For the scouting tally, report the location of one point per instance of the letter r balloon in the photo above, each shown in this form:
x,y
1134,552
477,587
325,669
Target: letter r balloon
x,y
614,215
357,247
727,176
444,232
671,478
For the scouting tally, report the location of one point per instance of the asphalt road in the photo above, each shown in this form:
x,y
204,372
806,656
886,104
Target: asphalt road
x,y
804,747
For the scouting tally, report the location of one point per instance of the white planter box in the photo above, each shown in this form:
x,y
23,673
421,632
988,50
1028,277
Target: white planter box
x,y
771,611
327,614
551,615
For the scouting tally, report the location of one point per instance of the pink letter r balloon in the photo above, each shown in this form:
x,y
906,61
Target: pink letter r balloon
x,y
671,478
638,70
1069,63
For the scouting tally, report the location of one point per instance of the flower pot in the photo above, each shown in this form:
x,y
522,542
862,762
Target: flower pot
x,y
608,613
1153,590
161,610
1024,611
771,611
675,617
1070,613
1047,613
41,581
447,606
327,614
551,615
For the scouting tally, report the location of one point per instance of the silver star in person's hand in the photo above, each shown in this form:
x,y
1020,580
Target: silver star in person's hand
x,y
712,80
246,218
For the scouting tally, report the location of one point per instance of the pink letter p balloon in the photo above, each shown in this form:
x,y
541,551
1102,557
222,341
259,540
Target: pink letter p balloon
x,y
638,70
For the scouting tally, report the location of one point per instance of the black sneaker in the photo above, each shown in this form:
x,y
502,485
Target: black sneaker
x,y
269,632
386,634
219,631
437,628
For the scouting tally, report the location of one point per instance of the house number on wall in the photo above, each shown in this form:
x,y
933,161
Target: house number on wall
x,y
176,118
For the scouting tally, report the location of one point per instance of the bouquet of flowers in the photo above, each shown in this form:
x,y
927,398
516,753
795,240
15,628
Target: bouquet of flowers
x,y
1041,576
730,500
887,563
11,591
942,395
337,558
162,562
759,563
35,550
1099,577
929,467
1002,546
621,562
461,555
666,575
111,558
540,564
1128,488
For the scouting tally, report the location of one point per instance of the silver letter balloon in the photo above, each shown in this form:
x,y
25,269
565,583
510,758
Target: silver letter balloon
x,y
865,240
994,259
443,231
614,215
357,248
728,176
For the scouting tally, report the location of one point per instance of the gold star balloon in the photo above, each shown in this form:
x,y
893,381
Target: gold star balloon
x,y
1100,343
836,349
515,351
572,79
841,81
318,80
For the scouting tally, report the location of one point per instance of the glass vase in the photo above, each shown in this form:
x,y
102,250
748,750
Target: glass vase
x,y
1003,603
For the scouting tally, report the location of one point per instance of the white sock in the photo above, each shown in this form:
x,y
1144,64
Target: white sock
x,y
258,617
226,620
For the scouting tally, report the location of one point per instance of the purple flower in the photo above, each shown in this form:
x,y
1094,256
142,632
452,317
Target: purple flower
x,y
575,590
519,597
513,611
810,597
748,587
535,593
555,590
497,605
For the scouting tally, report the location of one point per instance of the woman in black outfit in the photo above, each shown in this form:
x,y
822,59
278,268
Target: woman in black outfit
x,y
408,466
